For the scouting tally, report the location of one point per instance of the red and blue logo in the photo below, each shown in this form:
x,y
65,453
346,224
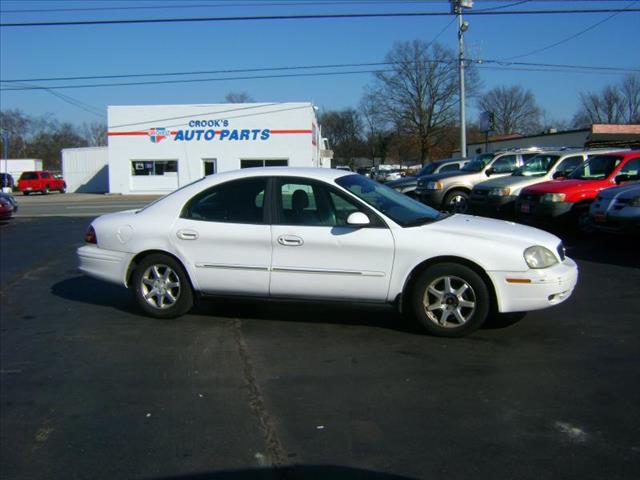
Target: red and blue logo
x,y
158,134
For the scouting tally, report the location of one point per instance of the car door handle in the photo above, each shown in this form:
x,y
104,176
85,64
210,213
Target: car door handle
x,y
290,240
187,234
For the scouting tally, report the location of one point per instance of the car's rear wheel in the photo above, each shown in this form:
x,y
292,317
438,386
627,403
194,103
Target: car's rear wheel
x,y
63,189
450,300
457,201
161,287
25,193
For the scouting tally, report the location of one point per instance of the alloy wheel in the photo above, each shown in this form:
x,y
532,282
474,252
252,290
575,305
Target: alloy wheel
x,y
449,301
160,286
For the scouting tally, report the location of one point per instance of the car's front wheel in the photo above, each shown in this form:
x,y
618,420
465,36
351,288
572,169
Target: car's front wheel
x,y
457,201
450,300
161,287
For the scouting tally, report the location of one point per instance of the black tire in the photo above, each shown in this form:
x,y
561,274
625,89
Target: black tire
x,y
63,189
457,201
174,295
583,221
25,193
45,191
454,312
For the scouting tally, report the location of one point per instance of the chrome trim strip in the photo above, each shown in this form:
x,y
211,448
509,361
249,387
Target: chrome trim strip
x,y
327,272
232,267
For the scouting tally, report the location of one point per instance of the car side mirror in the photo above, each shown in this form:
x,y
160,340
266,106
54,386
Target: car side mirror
x,y
489,171
358,219
621,178
559,175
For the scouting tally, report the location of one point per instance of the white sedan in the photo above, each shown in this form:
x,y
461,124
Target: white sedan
x,y
319,234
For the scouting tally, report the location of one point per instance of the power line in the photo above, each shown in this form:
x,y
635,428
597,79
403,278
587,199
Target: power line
x,y
226,5
571,37
292,68
201,72
311,17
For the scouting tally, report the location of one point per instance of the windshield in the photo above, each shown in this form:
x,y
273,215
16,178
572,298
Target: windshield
x,y
478,163
596,168
398,207
428,169
537,166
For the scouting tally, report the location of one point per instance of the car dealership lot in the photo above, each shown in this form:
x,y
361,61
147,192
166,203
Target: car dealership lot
x,y
91,388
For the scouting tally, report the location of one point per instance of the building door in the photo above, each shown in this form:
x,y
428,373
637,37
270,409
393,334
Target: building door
x,y
209,166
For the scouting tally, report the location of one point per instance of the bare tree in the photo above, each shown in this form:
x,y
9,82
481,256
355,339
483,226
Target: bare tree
x,y
630,89
618,103
376,126
238,97
514,109
95,133
420,94
343,130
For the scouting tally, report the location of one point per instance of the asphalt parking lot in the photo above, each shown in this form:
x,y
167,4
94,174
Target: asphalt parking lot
x,y
90,388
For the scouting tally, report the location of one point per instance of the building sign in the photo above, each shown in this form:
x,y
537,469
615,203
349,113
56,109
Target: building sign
x,y
212,130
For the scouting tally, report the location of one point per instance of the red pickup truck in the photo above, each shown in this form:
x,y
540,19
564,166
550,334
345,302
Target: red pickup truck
x,y
40,181
568,200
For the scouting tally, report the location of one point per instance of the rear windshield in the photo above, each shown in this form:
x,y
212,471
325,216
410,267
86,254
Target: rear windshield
x,y
29,176
596,168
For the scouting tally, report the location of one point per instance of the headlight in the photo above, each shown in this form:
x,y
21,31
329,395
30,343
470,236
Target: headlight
x,y
434,186
539,257
500,192
553,197
634,202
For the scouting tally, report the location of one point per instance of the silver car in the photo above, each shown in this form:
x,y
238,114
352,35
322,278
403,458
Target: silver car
x,y
617,209
450,191
407,185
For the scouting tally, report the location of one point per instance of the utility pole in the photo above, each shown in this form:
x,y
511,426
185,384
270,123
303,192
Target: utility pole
x,y
5,155
457,6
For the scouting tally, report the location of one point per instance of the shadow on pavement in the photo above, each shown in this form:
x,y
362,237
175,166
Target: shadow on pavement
x,y
306,472
90,291
95,292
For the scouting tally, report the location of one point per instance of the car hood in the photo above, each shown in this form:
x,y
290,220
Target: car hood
x,y
439,176
497,231
403,182
560,186
509,181
625,191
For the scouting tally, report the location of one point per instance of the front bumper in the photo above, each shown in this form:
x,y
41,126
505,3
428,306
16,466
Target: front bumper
x,y
545,288
617,222
433,198
108,265
493,203
543,210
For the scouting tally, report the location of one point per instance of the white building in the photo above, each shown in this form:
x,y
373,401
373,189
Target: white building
x,y
158,148
86,170
15,166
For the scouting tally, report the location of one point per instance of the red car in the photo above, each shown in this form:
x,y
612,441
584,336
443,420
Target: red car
x,y
40,181
568,200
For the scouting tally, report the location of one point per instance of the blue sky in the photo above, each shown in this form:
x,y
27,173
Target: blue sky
x,y
28,53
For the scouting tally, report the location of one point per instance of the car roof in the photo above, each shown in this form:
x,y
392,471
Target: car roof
x,y
327,174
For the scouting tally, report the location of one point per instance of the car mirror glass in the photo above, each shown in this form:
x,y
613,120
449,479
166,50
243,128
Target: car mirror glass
x,y
358,219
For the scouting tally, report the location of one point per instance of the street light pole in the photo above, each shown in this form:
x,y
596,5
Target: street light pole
x,y
457,6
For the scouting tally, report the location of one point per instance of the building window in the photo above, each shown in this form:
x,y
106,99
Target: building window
x,y
154,167
263,163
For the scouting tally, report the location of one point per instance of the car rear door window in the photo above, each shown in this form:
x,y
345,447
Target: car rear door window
x,y
569,164
240,201
449,168
505,164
